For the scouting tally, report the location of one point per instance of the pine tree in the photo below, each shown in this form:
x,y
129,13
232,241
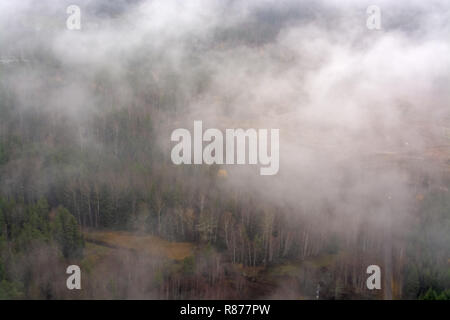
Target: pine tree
x,y
67,233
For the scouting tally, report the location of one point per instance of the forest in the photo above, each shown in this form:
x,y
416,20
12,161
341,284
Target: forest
x,y
86,176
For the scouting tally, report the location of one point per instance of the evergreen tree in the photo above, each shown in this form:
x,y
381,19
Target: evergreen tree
x,y
66,232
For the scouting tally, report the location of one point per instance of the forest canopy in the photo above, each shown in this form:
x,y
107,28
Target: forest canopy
x,y
86,176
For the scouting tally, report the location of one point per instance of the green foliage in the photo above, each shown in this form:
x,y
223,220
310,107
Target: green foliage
x,y
431,294
21,225
25,227
427,272
66,232
11,290
2,228
188,266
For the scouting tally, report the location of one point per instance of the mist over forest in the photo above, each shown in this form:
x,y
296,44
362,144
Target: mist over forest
x,y
86,176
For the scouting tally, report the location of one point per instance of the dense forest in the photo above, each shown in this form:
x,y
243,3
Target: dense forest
x,y
86,176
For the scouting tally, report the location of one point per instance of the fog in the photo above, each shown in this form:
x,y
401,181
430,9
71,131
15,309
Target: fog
x,y
359,110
